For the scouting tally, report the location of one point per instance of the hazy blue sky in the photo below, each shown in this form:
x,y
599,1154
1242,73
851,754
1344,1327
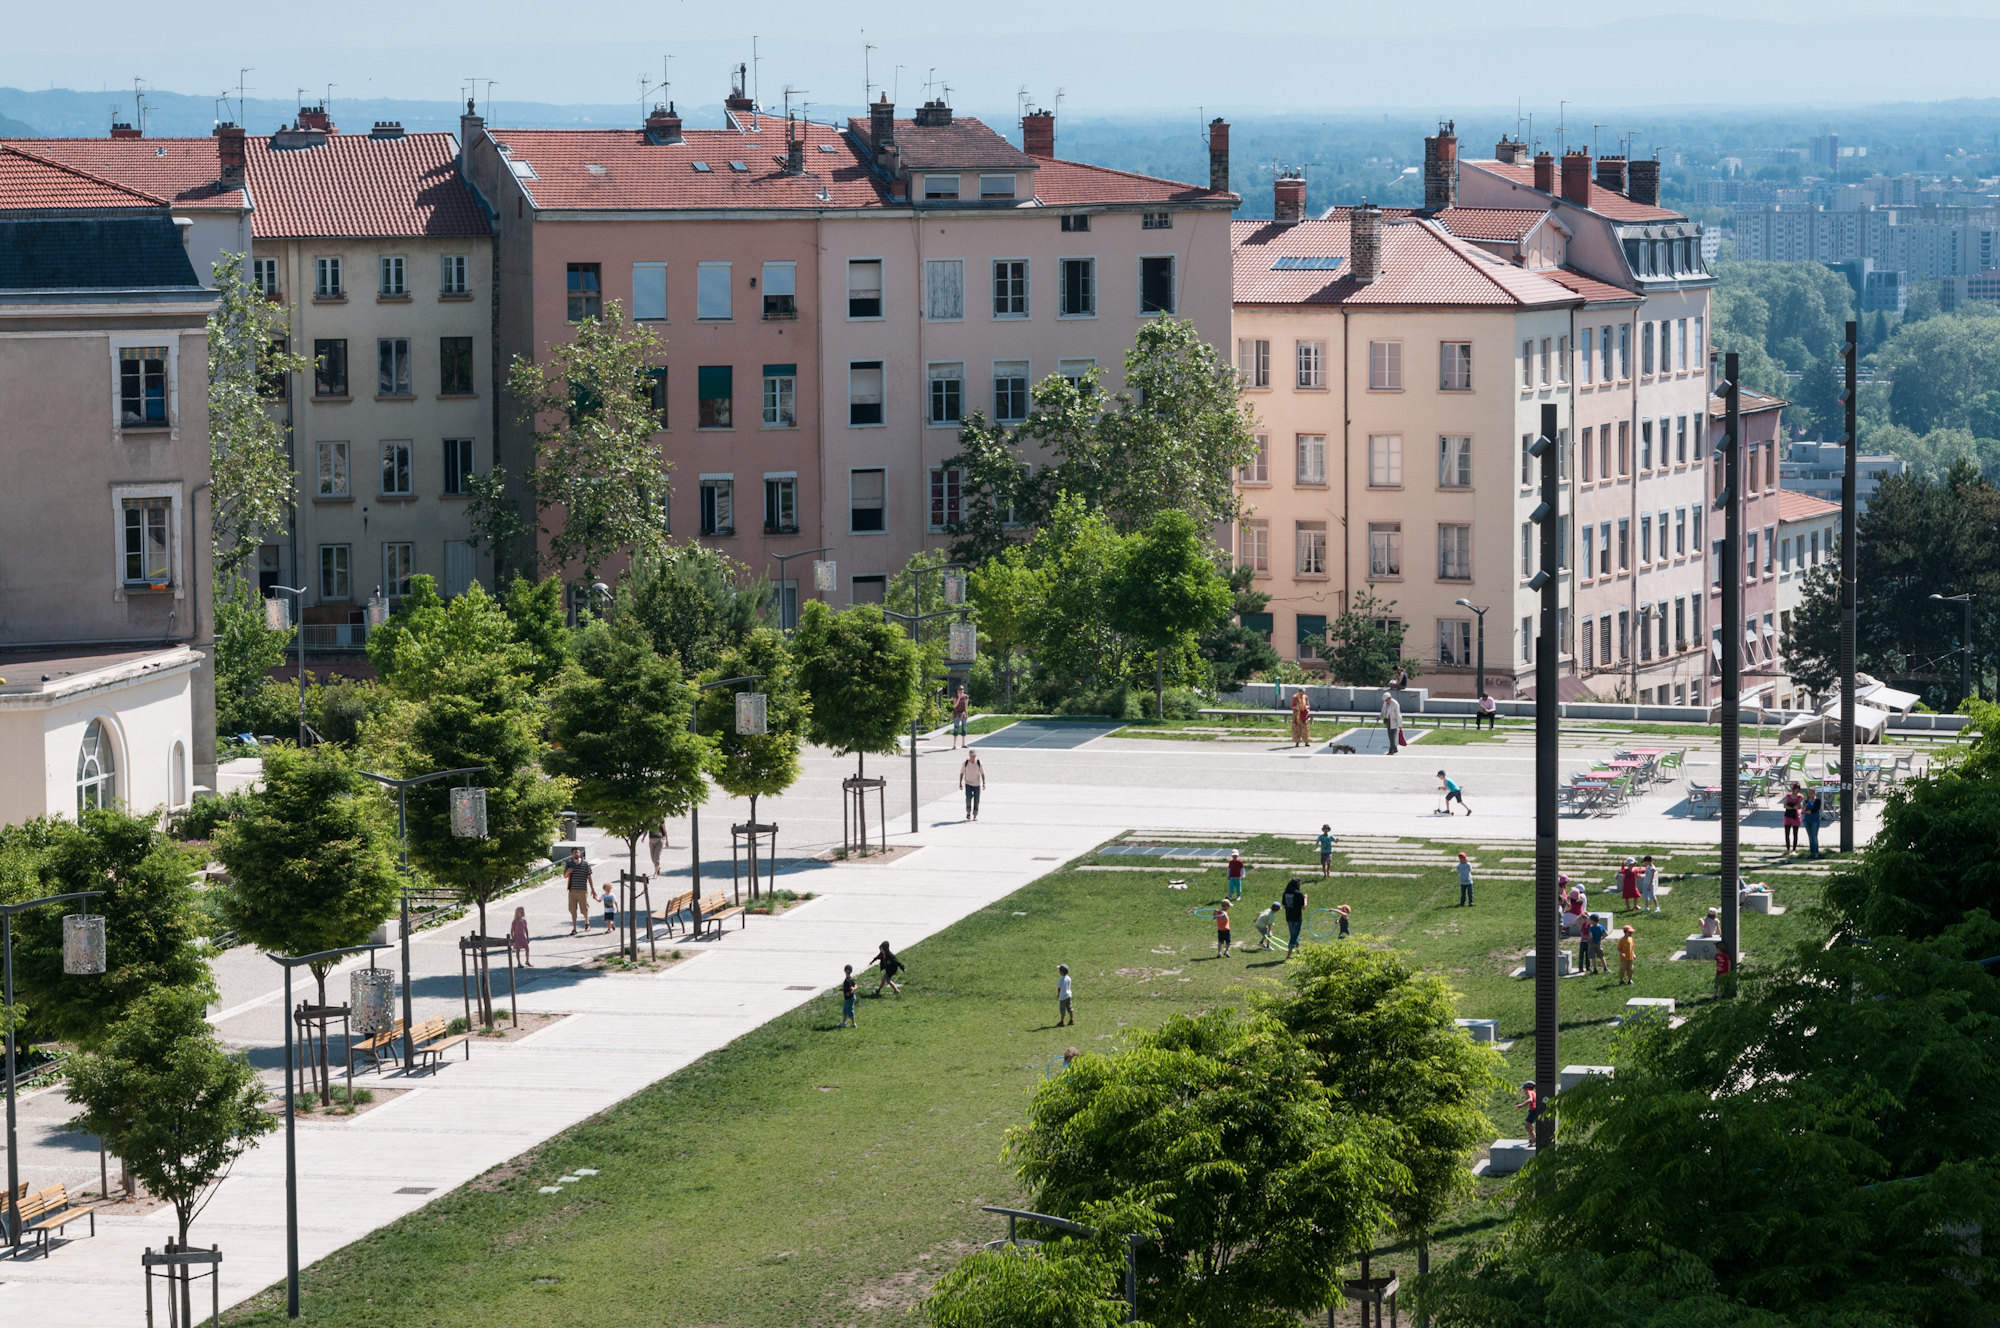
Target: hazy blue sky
x,y
1104,54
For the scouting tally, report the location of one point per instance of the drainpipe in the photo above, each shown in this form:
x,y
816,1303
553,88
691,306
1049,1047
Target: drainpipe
x,y
1346,469
291,419
194,581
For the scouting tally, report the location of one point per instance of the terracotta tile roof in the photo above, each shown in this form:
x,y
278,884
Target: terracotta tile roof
x,y
637,173
1590,288
183,171
357,186
1060,183
1796,506
1492,223
32,183
1753,401
964,144
1421,264
1605,202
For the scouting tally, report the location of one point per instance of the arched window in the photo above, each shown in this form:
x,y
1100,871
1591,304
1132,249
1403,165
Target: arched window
x,y
177,775
96,769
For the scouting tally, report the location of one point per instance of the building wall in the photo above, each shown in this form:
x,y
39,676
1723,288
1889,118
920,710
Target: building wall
x,y
1762,663
1803,545
149,716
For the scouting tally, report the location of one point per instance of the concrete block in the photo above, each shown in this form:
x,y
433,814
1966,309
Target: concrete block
x,y
1703,947
1572,1075
559,851
1757,901
1649,1007
1509,1156
1562,964
1481,1030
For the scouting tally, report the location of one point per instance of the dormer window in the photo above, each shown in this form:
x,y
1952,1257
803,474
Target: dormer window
x,y
1075,222
940,188
996,186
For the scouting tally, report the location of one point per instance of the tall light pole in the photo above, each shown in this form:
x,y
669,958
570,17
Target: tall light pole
x,y
1965,642
782,559
694,809
7,912
1481,614
1548,726
1731,502
915,622
1849,552
298,594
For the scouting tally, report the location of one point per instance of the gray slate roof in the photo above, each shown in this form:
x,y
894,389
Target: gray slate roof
x,y
91,253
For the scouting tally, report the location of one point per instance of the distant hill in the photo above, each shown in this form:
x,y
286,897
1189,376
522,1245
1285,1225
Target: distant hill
x,y
16,129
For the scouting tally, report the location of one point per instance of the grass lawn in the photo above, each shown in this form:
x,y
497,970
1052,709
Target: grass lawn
x,y
806,1175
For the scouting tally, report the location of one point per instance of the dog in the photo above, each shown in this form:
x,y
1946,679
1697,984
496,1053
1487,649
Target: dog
x,y
1341,749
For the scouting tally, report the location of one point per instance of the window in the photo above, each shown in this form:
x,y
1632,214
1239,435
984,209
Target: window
x,y
1645,540
1259,469
396,467
392,367
1527,460
1077,222
1624,544
1454,463
781,290
947,395
1263,624
865,491
332,470
947,487
1645,631
277,384
1527,640
1586,456
996,186
711,291
1680,439
1589,551
397,567
718,505
1645,444
1646,349
1253,361
451,274
1312,630
1455,641
781,506
142,387
1562,546
1562,359
1454,553
1079,288
864,288
458,465
1604,540
96,770
1624,634
1528,364
1624,447
1385,366
1716,562
1770,550
1545,361
781,396
870,589
1311,537
1527,548
864,392
1681,341
1073,372
1010,288
455,366
944,289
1156,221
656,393
715,388
330,367
147,543
1624,350
1589,352
1815,548
940,188
1385,549
1589,644
649,292
1604,350
461,567
1010,391
1256,546
1312,458
1700,346
264,276
326,279
1385,461
1604,640
334,582
1680,531
586,292
1312,364
1770,466
1455,366
392,276
1680,624
1750,556
1156,284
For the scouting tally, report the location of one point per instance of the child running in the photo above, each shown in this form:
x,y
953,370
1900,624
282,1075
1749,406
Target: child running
x,y
1222,931
1325,851
1265,921
891,966
1452,793
1064,1013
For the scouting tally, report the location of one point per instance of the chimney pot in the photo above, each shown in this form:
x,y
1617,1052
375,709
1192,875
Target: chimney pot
x,y
795,149
120,130
934,114
1611,174
1038,134
663,125
1288,204
230,154
1545,172
1441,169
882,123
1576,177
1364,245
1645,182
387,129
1218,155
315,117
1510,150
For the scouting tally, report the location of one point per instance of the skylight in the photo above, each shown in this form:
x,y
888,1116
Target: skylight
x,y
739,166
701,166
593,168
826,147
1305,263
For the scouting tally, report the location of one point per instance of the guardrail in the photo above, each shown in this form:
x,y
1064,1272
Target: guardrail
x,y
336,636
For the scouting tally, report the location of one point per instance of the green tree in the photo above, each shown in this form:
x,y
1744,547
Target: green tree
x,y
245,652
1005,591
1168,591
619,725
861,676
1363,647
177,1103
251,475
1940,366
1236,652
693,602
1078,558
600,481
1263,1184
416,650
754,765
1065,1283
535,613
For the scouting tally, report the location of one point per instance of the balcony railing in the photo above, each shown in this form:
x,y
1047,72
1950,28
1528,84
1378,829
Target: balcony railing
x,y
324,637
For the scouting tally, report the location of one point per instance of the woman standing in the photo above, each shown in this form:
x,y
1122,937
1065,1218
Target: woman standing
x,y
1301,719
1794,804
1809,818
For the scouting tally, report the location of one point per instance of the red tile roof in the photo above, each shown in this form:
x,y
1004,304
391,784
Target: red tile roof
x,y
964,144
32,183
1492,223
1590,288
183,171
1753,401
1063,183
357,186
1796,506
1605,202
638,173
1421,264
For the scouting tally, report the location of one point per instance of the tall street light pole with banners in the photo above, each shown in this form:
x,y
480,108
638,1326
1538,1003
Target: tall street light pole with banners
x,y
1849,500
1548,728
694,809
1481,615
83,953
1731,503
788,618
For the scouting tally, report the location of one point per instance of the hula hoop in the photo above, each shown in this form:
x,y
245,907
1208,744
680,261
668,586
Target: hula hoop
x,y
1054,1067
1205,912
1322,924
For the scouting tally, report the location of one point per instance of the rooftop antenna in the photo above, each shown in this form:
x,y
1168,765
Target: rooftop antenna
x,y
1517,119
756,85
1594,127
241,110
1059,99
1021,102
930,82
897,80
867,79
139,105
1562,127
326,102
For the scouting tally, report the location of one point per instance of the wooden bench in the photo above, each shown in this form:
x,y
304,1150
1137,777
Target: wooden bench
x,y
722,910
370,1049
669,917
50,1211
430,1039
715,907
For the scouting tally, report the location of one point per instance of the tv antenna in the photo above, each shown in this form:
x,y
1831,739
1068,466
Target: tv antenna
x,y
867,78
1562,127
1594,127
897,76
1021,102
242,110
756,84
139,106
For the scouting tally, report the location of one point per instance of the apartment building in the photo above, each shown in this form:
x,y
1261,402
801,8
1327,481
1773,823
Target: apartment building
x,y
1819,470
1920,242
1807,530
107,697
836,301
1763,506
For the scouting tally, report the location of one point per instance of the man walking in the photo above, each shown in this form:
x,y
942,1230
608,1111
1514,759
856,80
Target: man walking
x,y
1464,881
1392,721
1294,900
961,710
972,778
577,872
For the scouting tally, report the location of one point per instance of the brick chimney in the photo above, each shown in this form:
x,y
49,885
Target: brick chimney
x,y
1288,197
739,99
795,148
1038,134
1364,243
934,114
230,154
119,130
387,129
1576,177
1611,174
1545,172
663,125
1218,155
882,123
1510,150
1441,169
1645,176
315,117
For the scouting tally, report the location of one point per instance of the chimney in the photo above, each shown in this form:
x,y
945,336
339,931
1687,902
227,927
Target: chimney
x,y
663,125
1510,150
1545,172
1364,244
1611,174
1218,155
1038,134
1441,169
119,130
229,154
315,117
470,126
738,99
795,148
882,123
934,114
1288,204
387,129
1576,177
1645,177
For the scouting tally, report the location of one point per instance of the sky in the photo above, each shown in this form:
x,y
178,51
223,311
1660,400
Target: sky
x,y
1100,55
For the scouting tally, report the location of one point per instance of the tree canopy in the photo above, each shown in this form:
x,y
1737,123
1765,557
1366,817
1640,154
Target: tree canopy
x,y
754,765
1363,647
1168,590
251,475
862,674
693,602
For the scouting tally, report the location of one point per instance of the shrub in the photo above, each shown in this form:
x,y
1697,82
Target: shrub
x,y
202,818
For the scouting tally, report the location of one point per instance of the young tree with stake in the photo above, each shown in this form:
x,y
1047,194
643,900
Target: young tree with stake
x,y
862,676
752,765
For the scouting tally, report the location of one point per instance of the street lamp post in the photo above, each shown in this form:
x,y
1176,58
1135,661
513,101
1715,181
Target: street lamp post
x,y
915,622
1547,581
694,809
1481,615
1848,553
782,559
7,912
1965,642
298,594
1732,570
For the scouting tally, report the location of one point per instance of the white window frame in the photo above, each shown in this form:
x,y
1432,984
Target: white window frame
x,y
404,554
454,274
1072,371
1310,361
880,369
346,572
989,187
325,266
1062,285
394,274
1026,293
404,378
719,484
1253,362
1254,541
264,276
881,294
935,186
1454,461
1457,650
936,372
781,478
1460,554
648,281
939,499
940,274
1027,377
777,274
176,536
1309,548
1444,349
1385,366
1385,461
1259,470
1173,286
779,394
341,454
399,453
1386,539
1309,457
459,455
882,473
139,341
706,288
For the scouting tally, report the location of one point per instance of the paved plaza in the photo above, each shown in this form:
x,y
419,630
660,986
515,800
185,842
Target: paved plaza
x,y
1054,792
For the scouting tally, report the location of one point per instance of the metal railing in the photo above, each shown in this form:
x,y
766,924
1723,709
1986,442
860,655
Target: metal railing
x,y
336,636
